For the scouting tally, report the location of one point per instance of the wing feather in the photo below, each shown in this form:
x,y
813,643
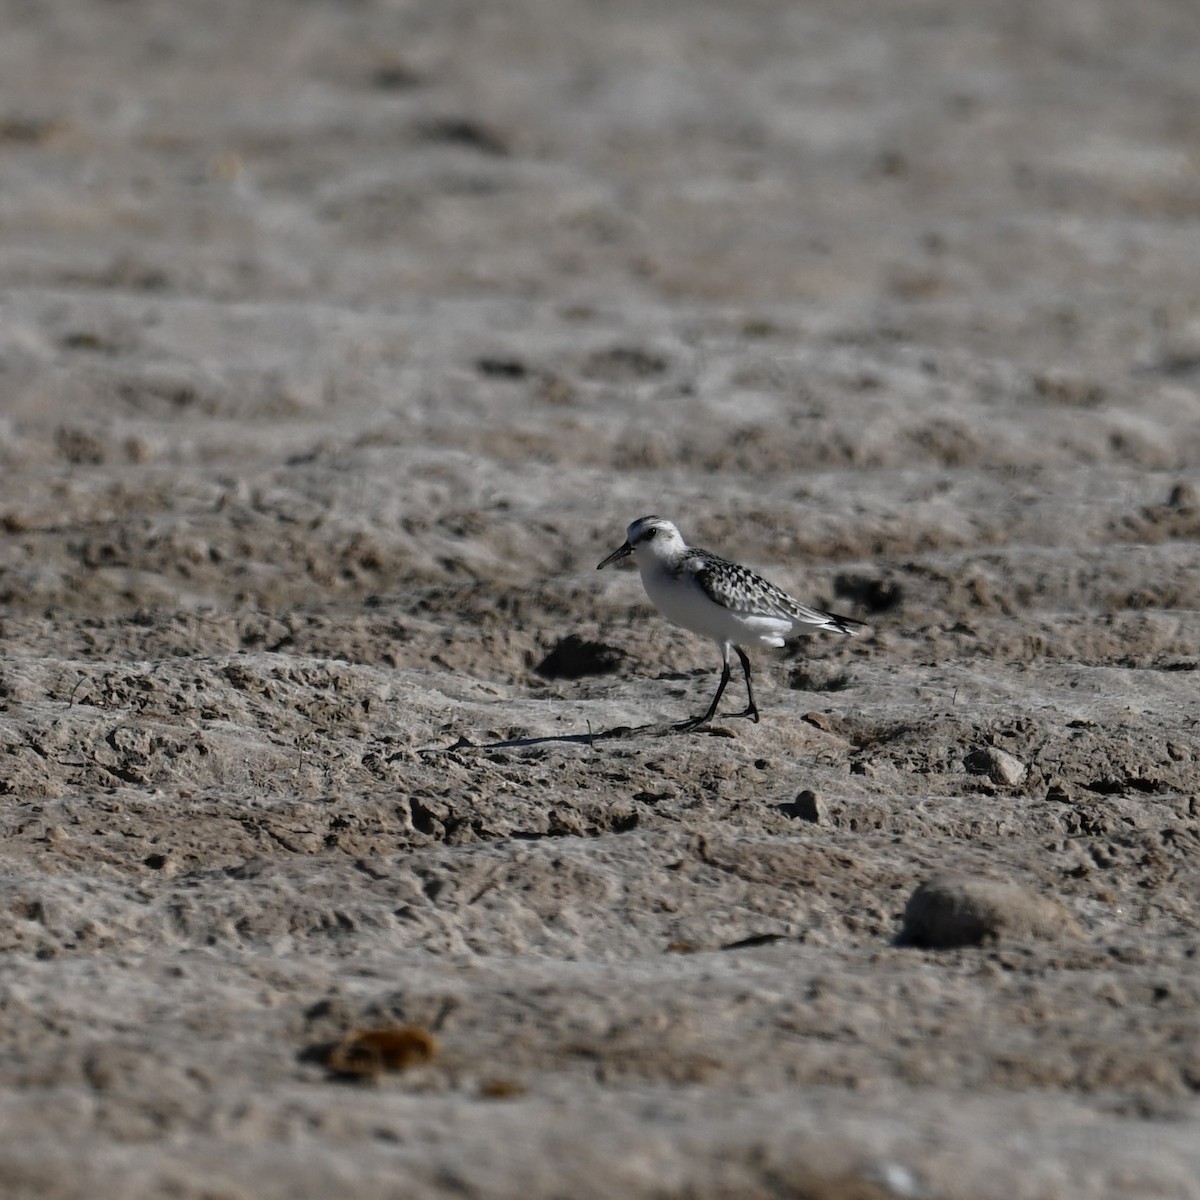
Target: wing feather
x,y
742,591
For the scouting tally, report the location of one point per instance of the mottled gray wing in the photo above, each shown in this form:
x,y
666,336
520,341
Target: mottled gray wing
x,y
742,591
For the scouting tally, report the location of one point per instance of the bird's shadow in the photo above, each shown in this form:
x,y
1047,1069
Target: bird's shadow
x,y
616,733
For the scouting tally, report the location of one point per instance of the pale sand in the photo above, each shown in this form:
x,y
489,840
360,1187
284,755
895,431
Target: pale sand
x,y
341,341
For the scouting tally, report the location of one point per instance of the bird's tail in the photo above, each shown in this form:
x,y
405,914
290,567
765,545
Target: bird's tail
x,y
817,618
840,624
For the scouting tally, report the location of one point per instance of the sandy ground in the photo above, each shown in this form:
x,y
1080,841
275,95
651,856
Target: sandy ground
x,y
340,341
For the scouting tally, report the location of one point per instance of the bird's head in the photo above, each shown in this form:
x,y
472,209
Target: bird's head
x,y
648,538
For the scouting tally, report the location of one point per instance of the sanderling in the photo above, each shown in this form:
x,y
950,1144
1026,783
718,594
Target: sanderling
x,y
718,599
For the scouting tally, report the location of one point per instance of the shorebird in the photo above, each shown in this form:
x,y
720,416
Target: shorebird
x,y
719,599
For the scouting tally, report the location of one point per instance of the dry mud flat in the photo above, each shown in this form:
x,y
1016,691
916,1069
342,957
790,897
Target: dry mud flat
x,y
340,342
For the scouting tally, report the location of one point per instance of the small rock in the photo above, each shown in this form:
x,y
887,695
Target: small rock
x,y
1183,497
966,910
998,765
1057,791
368,1052
806,807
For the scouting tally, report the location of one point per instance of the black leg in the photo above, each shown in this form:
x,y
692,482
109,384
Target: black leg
x,y
696,722
751,710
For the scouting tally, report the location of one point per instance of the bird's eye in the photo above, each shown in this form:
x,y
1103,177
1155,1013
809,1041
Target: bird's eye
x,y
649,535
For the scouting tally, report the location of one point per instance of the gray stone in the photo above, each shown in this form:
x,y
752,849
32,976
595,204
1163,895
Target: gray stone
x,y
808,807
998,765
966,910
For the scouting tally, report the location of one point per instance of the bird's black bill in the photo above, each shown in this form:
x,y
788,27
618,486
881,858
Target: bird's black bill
x,y
619,553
